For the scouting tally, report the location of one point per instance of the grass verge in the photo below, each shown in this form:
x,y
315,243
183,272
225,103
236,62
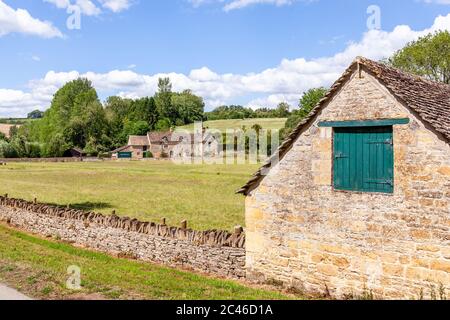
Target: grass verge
x,y
38,267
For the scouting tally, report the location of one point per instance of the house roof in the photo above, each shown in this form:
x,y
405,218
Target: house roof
x,y
157,137
138,141
120,149
76,149
428,99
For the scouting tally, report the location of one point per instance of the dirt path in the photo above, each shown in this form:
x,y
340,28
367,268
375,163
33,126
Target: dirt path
x,y
7,293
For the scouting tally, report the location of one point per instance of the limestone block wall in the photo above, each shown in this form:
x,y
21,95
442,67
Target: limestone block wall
x,y
215,252
302,232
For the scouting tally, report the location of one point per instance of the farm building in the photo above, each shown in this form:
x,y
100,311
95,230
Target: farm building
x,y
359,201
166,145
74,153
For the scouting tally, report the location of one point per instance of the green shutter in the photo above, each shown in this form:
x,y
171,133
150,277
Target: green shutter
x,y
364,159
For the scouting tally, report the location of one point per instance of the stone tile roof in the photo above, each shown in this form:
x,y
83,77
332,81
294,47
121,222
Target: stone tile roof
x,y
138,141
157,137
429,100
120,149
172,137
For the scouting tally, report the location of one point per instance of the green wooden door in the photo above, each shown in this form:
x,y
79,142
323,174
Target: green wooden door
x,y
125,155
364,159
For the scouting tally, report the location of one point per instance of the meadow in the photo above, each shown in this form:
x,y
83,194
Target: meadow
x,y
223,125
202,194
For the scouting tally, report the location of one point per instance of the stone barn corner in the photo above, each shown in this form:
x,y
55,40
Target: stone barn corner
x,y
360,200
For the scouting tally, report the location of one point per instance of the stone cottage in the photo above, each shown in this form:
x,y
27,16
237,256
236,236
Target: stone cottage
x,y
135,149
170,145
359,201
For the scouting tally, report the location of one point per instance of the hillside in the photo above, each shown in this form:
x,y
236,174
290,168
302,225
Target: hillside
x,y
223,125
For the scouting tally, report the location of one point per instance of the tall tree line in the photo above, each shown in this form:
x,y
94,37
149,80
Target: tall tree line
x,y
77,118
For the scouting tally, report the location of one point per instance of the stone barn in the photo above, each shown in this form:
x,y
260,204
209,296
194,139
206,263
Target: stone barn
x,y
359,202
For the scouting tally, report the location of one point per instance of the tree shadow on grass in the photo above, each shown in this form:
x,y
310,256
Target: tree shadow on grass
x,y
85,206
90,206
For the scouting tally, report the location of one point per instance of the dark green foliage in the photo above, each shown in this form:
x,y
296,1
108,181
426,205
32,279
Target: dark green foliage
x,y
36,114
163,125
7,150
55,147
429,56
282,111
135,128
240,112
230,112
75,117
189,107
308,101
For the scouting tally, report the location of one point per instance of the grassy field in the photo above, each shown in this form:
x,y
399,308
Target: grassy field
x,y
15,121
204,195
223,125
38,267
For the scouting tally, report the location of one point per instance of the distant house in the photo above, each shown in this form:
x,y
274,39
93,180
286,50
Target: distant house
x,y
167,145
74,153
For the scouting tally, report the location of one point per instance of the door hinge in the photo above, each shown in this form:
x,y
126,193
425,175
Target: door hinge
x,y
389,182
340,155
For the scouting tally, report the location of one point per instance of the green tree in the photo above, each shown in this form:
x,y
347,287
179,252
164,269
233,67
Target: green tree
x,y
55,147
75,117
117,112
257,127
163,125
144,109
164,101
190,107
282,110
36,114
307,102
135,128
429,56
7,150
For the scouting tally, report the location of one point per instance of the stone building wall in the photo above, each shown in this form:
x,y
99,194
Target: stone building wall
x,y
302,232
215,252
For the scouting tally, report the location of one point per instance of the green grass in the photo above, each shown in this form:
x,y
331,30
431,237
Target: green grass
x,y
223,125
202,194
38,267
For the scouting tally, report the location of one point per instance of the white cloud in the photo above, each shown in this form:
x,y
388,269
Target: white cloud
x,y
87,7
239,4
116,5
437,1
91,7
20,21
285,82
229,5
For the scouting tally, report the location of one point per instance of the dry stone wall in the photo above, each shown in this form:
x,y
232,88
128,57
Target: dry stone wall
x,y
215,252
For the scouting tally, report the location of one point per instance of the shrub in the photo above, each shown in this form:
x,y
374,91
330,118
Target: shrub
x,y
7,150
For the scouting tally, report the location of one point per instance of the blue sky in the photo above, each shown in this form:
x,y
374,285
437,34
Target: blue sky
x,y
252,52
